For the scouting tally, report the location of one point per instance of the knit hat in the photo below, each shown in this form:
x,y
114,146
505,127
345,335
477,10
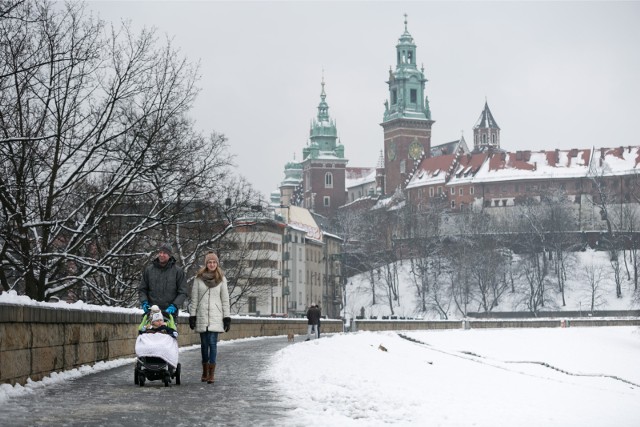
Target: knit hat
x,y
155,309
156,316
165,247
211,256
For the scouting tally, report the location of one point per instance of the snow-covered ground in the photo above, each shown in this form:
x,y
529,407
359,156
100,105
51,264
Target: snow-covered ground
x,y
590,377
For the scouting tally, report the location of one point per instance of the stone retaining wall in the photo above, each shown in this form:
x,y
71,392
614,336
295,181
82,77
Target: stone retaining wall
x,y
36,341
410,325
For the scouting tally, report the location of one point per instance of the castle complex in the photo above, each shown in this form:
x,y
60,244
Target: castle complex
x,y
483,176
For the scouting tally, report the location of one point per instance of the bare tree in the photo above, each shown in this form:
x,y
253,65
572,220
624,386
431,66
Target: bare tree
x,y
94,139
593,275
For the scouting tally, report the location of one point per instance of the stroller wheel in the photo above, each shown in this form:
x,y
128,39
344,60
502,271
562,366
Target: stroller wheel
x,y
167,379
136,379
177,374
141,379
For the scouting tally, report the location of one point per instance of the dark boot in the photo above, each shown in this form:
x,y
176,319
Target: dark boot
x,y
212,369
205,372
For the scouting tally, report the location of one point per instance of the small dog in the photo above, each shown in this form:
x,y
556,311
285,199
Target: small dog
x,y
291,337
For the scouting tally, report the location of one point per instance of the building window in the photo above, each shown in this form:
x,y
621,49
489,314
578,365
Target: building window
x,y
413,94
431,192
460,191
471,191
496,202
517,188
453,204
439,191
453,191
327,201
253,304
328,180
504,203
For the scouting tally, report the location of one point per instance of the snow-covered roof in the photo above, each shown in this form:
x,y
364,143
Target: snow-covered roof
x,y
355,177
488,167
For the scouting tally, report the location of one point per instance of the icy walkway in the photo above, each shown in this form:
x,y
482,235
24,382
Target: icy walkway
x,y
239,397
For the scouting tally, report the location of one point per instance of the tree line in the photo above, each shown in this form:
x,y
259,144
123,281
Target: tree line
x,y
472,261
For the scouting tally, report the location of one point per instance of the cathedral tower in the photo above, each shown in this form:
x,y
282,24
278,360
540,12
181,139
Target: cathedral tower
x,y
486,133
407,118
323,164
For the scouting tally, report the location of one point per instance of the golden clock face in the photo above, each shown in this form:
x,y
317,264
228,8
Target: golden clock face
x,y
415,150
391,151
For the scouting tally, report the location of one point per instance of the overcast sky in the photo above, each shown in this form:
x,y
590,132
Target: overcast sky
x,y
555,74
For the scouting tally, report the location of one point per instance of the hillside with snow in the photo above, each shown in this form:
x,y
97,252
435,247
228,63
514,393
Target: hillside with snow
x,y
589,279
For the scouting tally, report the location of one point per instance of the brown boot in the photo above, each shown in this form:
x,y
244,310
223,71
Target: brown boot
x,y
212,369
205,372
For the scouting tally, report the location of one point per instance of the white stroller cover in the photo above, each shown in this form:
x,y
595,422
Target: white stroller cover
x,y
158,345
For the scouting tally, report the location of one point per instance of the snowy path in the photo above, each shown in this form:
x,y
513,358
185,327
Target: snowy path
x,y
240,396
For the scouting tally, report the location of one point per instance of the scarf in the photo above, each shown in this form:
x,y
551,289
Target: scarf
x,y
208,279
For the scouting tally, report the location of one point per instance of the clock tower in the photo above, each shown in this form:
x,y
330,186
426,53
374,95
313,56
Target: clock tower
x,y
407,117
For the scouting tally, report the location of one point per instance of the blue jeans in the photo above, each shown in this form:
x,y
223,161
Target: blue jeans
x,y
209,346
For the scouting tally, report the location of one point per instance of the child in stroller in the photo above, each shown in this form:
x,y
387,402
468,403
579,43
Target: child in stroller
x,y
157,349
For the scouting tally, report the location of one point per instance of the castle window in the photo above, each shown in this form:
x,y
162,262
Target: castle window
x,y
328,180
394,96
484,139
413,94
327,201
493,139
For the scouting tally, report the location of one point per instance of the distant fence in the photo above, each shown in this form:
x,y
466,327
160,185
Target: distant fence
x,y
554,314
560,322
36,341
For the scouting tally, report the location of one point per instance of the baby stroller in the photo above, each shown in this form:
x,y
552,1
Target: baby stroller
x,y
157,350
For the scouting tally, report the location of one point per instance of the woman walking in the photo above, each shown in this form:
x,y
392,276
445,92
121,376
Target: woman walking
x,y
210,307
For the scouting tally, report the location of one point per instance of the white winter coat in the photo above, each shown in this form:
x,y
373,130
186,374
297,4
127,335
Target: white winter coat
x,y
210,305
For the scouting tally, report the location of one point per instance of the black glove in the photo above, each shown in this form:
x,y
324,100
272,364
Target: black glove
x,y
226,321
192,322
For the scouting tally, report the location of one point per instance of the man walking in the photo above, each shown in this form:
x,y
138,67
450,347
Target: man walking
x,y
163,283
313,318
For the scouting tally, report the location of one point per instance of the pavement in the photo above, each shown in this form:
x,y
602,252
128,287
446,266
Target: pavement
x,y
240,396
